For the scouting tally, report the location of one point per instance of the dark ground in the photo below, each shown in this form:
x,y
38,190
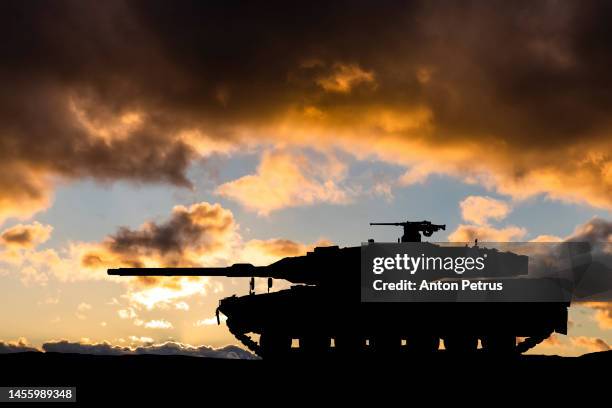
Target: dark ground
x,y
112,379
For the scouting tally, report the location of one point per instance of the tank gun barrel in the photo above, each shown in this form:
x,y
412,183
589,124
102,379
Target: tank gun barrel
x,y
292,269
234,271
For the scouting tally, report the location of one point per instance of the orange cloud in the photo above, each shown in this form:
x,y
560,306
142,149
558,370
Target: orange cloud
x,y
479,209
264,252
202,234
427,95
285,180
468,233
546,238
344,77
590,343
552,341
193,235
25,236
603,313
23,191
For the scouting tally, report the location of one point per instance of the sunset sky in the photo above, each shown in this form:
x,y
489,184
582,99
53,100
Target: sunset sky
x,y
163,134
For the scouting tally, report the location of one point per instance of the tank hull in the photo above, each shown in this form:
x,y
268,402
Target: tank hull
x,y
303,312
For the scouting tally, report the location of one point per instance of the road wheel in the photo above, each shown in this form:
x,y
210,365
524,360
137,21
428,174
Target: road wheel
x,y
423,343
387,344
274,344
458,344
500,344
315,344
347,344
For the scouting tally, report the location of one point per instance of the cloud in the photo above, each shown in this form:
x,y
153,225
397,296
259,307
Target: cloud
x,y
284,179
596,281
552,341
479,209
25,236
546,238
199,235
264,252
83,307
18,346
202,234
128,313
141,339
590,343
572,345
211,321
64,346
596,230
167,348
32,276
433,94
158,324
603,313
201,228
345,77
468,233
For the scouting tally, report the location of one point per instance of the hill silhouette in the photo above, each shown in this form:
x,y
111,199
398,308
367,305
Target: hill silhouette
x,y
153,377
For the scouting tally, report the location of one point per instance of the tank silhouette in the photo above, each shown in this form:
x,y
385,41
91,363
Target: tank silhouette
x,y
324,313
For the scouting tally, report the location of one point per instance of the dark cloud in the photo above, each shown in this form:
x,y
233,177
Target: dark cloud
x,y
595,283
168,348
108,90
189,233
201,226
64,346
19,346
597,231
25,236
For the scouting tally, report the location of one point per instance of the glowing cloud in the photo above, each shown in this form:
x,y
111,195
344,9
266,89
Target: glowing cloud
x,y
603,313
427,95
345,77
590,343
479,209
468,233
285,180
158,324
25,236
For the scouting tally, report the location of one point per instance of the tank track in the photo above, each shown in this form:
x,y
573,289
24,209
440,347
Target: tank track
x,y
530,342
527,344
248,342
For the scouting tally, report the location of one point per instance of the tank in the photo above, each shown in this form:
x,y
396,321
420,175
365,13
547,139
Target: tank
x,y
322,314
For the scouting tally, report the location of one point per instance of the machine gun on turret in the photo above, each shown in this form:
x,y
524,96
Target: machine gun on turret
x,y
413,229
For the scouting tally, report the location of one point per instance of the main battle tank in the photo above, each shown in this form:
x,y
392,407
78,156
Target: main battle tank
x,y
324,312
